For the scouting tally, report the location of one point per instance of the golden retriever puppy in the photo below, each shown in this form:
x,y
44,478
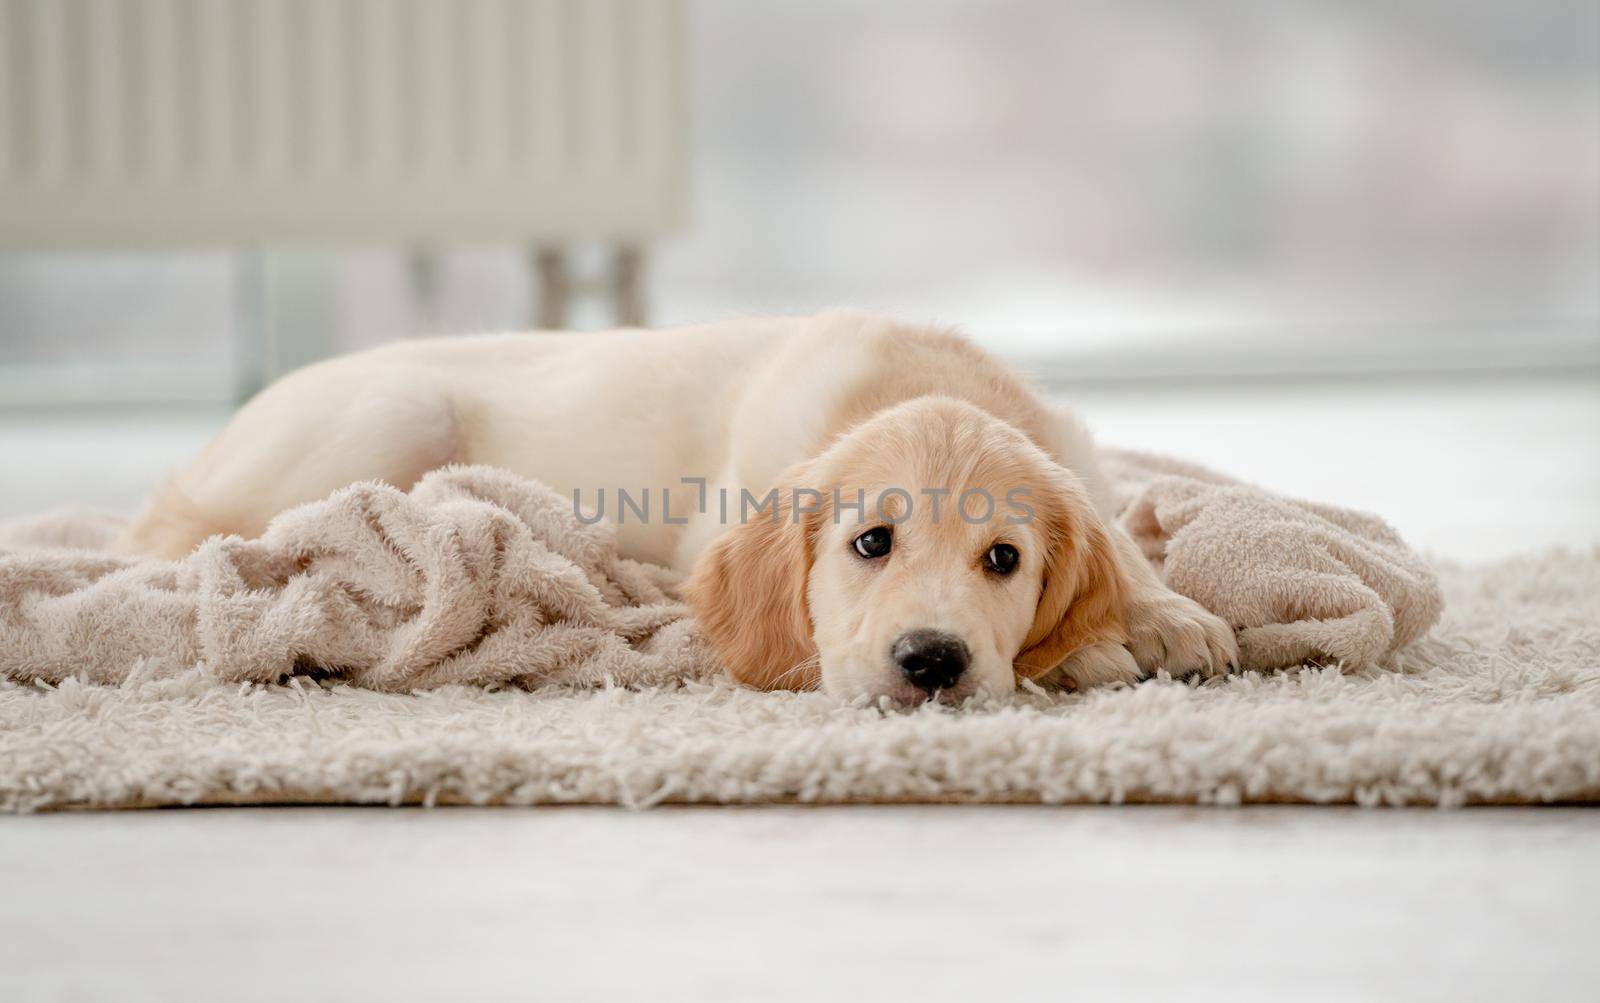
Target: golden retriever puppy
x,y
860,505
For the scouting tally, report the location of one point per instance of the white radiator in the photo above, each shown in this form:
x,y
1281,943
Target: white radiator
x,y
162,122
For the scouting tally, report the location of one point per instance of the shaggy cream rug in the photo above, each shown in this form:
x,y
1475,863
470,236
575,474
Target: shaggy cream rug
x,y
1501,703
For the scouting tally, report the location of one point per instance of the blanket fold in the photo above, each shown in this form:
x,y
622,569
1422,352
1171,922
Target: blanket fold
x,y
478,577
473,577
1301,582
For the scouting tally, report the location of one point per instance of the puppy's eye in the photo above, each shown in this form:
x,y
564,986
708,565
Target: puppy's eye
x,y
1002,559
875,542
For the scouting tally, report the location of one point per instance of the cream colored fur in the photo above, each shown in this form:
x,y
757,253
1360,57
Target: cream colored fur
x,y
849,400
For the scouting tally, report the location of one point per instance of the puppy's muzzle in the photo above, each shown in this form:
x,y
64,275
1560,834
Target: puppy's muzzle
x,y
931,659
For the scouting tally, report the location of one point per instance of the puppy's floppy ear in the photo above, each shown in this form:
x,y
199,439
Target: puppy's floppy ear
x,y
1082,602
748,591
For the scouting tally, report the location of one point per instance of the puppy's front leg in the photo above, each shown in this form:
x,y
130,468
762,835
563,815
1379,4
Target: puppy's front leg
x,y
1100,665
1167,630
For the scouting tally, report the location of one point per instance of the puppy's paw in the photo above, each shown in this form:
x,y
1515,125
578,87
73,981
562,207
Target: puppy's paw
x,y
1099,665
1173,632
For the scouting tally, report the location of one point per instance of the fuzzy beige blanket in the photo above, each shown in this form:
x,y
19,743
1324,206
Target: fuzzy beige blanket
x,y
1301,582
473,577
478,577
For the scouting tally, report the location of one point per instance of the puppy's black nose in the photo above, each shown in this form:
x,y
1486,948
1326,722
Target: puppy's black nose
x,y
931,659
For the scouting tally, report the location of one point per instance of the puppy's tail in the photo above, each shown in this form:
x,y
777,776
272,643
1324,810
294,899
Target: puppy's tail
x,y
171,525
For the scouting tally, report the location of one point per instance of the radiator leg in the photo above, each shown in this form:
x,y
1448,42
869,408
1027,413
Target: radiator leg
x,y
253,324
303,307
288,314
425,272
552,287
628,291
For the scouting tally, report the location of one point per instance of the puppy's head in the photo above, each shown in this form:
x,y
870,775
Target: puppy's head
x,y
932,551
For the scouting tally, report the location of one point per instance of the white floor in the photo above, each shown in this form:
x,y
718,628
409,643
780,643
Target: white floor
x,y
873,903
915,903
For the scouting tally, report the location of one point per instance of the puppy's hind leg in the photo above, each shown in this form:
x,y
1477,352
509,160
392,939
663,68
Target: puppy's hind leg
x,y
299,440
